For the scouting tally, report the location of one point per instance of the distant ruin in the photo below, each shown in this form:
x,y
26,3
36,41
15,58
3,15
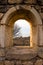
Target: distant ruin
x,y
21,41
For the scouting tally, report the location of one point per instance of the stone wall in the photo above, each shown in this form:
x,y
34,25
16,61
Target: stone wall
x,y
19,55
21,41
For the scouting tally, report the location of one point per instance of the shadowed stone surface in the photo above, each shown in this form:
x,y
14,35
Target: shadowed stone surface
x,y
18,63
2,52
1,63
1,15
20,53
28,63
39,62
40,52
21,1
3,1
21,41
9,62
14,1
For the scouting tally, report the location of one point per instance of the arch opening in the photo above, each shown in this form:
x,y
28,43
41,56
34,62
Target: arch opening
x,y
29,14
22,33
6,38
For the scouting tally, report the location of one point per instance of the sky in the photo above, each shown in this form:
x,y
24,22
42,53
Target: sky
x,y
25,27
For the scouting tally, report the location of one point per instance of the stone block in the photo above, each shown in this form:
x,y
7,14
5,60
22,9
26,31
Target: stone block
x,y
2,53
28,63
3,1
18,63
9,63
40,41
20,53
22,41
38,8
3,8
41,14
14,1
40,52
30,1
20,1
39,62
1,15
40,2
1,63
18,41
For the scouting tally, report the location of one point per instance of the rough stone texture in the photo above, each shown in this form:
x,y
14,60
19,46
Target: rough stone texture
x,y
21,1
40,52
1,63
18,63
41,15
40,2
30,1
41,9
28,63
14,1
3,8
1,15
20,53
39,62
38,8
40,36
3,1
22,41
9,62
2,53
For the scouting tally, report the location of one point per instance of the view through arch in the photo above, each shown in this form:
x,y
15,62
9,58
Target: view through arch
x,y
21,33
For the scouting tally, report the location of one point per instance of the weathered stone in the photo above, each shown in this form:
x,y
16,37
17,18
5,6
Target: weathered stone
x,y
22,41
14,1
40,52
39,62
3,8
1,14
28,63
40,2
41,15
2,58
2,53
20,1
30,1
18,63
40,41
38,8
9,62
21,53
1,63
3,1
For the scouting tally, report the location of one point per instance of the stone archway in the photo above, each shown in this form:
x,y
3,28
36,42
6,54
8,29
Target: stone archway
x,y
12,15
6,25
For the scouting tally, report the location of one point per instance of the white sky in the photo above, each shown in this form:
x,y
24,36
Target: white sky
x,y
25,27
